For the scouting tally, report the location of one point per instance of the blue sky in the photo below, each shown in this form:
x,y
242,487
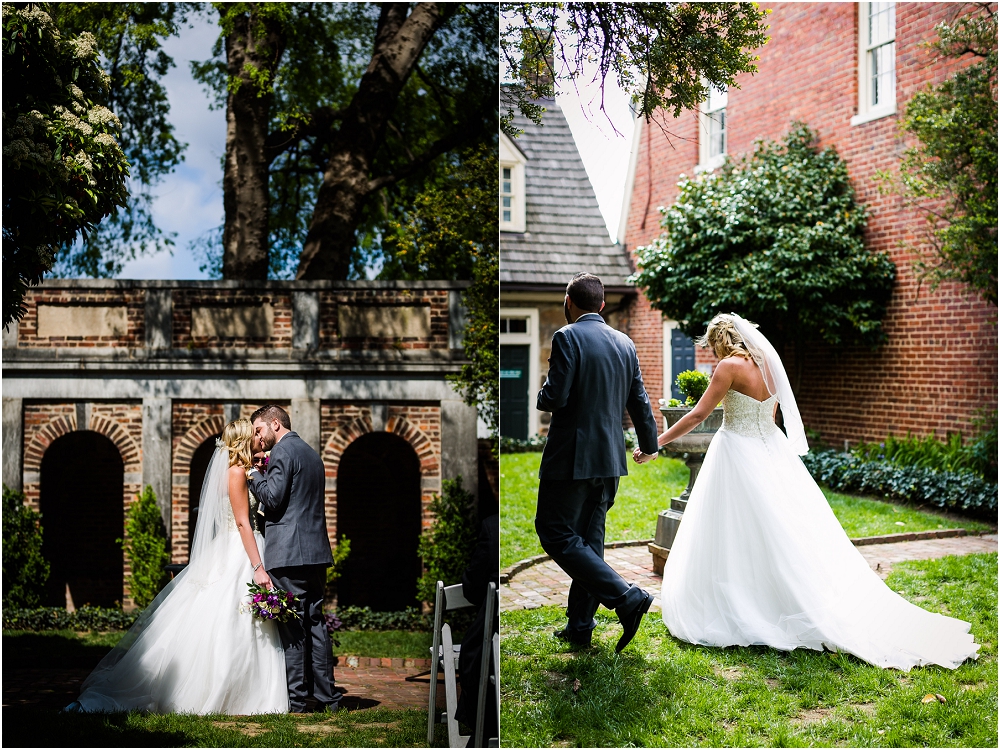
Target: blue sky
x,y
188,201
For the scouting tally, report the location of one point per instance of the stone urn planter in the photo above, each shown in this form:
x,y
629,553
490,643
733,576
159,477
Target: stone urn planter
x,y
693,446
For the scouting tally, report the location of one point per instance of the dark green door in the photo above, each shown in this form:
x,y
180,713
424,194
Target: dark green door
x,y
514,362
682,360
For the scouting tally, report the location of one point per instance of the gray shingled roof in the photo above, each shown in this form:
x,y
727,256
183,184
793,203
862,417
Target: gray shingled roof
x,y
566,232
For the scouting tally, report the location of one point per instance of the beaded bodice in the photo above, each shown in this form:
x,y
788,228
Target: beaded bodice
x,y
255,518
745,415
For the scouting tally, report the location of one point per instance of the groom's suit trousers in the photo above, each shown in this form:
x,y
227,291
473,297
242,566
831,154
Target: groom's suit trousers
x,y
308,652
569,522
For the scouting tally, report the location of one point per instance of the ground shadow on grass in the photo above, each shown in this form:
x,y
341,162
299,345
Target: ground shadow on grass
x,y
32,726
58,649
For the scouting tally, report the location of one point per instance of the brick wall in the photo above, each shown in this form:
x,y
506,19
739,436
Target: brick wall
x,y
192,423
435,299
940,364
186,299
132,299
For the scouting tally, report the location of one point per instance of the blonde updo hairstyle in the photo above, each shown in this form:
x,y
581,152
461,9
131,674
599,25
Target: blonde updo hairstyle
x,y
237,436
724,339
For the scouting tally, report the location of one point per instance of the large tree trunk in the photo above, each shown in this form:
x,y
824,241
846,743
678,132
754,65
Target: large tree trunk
x,y
246,196
399,42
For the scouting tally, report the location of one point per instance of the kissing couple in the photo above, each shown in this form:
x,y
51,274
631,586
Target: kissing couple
x,y
193,650
759,557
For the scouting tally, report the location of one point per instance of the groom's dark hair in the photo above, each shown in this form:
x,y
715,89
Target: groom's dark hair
x,y
586,291
269,412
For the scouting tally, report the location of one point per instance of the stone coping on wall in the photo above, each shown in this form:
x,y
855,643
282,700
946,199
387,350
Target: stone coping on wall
x,y
909,536
289,285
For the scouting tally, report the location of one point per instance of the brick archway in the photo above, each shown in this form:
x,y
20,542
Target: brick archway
x,y
181,470
417,425
117,422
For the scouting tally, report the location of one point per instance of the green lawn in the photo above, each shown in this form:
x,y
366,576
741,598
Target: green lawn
x,y
648,489
661,692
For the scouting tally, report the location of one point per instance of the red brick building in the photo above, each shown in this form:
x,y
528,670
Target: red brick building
x,y
847,70
109,386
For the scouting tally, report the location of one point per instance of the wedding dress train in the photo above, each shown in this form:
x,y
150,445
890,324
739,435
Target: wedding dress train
x,y
192,650
760,559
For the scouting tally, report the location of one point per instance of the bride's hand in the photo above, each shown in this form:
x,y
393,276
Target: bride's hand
x,y
261,578
642,458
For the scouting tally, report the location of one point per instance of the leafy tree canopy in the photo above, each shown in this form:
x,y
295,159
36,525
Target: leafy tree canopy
x,y
952,174
452,232
63,167
129,38
445,106
776,237
662,54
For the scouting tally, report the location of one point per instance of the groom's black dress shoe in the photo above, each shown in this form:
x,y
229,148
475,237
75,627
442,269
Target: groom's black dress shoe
x,y
631,621
576,637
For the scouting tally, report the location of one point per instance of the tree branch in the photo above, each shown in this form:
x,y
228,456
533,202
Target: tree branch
x,y
317,123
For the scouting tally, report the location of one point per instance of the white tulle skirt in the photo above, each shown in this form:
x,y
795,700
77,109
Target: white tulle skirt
x,y
760,559
192,651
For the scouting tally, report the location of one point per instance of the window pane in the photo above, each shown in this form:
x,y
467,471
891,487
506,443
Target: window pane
x,y
503,325
518,325
881,23
506,173
506,186
506,215
717,133
717,98
883,72
506,201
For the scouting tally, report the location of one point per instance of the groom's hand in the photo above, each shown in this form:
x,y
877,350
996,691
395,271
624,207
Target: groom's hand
x,y
261,578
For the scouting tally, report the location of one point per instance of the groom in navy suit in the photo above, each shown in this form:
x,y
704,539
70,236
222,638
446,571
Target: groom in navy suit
x,y
593,380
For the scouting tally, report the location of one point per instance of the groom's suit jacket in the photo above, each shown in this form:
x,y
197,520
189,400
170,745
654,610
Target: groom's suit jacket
x,y
593,379
292,494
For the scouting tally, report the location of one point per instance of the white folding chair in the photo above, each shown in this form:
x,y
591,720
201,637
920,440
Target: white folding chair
x,y
484,670
495,679
455,737
446,598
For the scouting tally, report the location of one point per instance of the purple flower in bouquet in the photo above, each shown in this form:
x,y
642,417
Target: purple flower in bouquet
x,y
270,604
333,624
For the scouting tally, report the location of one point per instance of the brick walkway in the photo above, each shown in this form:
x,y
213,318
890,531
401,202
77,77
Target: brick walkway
x,y
367,683
545,583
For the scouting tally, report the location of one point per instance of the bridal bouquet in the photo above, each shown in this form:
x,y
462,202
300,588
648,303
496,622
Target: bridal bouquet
x,y
269,604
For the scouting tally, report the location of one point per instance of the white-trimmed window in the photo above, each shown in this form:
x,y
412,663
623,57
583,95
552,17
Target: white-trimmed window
x,y
512,211
876,61
519,327
712,139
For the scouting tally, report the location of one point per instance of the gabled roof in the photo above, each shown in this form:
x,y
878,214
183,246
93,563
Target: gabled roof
x,y
566,232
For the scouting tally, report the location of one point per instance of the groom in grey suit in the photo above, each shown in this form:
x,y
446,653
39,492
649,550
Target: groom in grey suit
x,y
593,380
297,554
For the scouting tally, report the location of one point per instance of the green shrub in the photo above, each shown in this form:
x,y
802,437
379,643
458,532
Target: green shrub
x,y
340,553
363,618
57,618
447,546
25,571
959,491
693,384
145,546
951,454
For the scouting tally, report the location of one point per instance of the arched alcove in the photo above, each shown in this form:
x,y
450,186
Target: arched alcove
x,y
199,465
378,509
82,474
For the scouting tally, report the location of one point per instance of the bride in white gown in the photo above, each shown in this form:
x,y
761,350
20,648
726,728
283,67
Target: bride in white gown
x,y
759,558
192,650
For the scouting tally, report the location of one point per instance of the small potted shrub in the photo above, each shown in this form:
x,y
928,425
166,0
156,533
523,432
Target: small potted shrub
x,y
693,385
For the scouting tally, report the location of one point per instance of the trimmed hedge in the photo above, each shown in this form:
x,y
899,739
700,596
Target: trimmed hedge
x,y
534,444
959,491
57,618
101,618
